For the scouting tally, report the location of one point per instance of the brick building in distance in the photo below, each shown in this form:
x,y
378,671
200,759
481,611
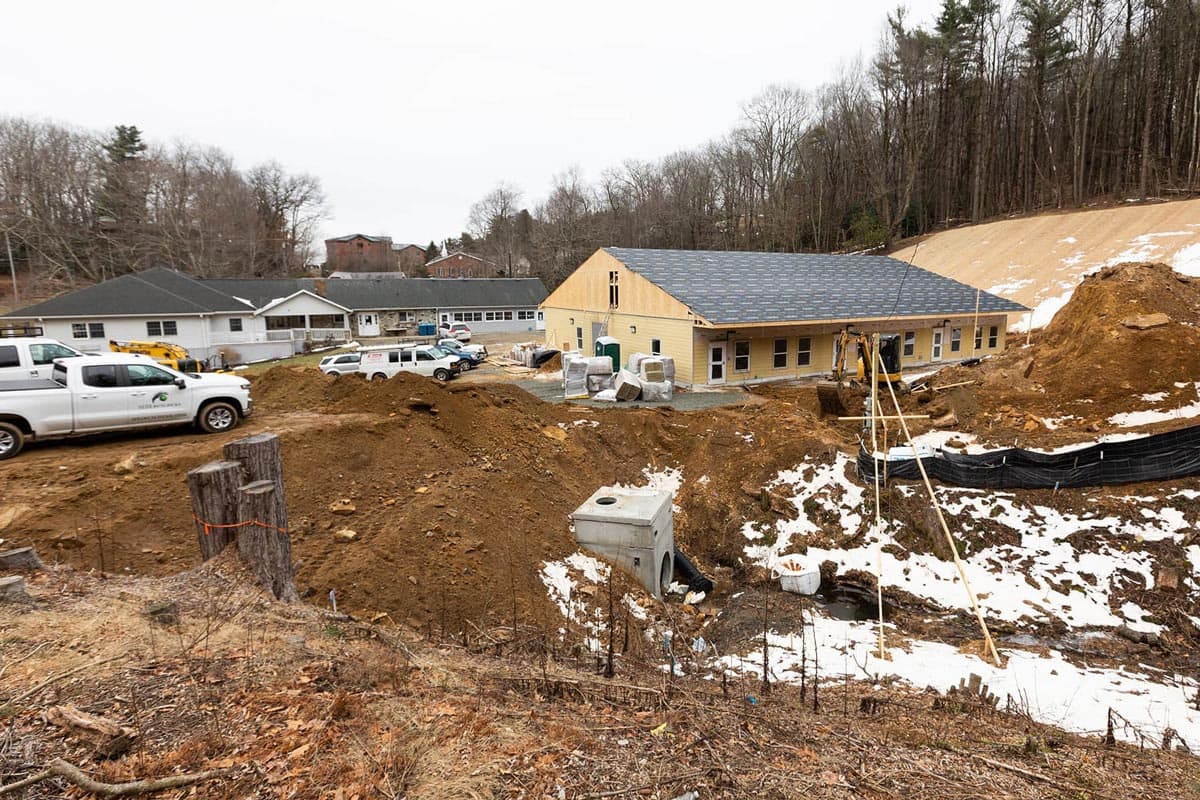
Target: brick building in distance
x,y
462,265
358,252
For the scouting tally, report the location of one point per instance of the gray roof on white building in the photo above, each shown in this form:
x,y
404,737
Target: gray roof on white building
x,y
738,287
154,291
161,291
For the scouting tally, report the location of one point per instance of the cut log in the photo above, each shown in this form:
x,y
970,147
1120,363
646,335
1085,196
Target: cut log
x,y
110,738
263,541
214,490
22,559
261,460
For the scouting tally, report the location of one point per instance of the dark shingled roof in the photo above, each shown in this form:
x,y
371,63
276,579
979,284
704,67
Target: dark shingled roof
x,y
737,287
350,237
379,294
155,291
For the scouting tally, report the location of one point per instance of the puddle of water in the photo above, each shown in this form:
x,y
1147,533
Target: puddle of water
x,y
847,601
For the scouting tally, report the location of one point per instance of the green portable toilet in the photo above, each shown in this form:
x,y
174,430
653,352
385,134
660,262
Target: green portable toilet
x,y
608,346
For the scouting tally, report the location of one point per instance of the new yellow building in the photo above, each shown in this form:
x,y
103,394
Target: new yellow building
x,y
734,317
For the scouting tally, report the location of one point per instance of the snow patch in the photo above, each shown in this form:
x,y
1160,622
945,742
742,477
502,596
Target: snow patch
x,y
1187,260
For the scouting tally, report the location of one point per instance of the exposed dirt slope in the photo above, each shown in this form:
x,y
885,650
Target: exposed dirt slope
x,y
1034,259
459,492
1089,364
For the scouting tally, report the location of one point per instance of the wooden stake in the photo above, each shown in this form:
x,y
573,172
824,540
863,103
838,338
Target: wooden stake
x,y
962,571
214,490
876,360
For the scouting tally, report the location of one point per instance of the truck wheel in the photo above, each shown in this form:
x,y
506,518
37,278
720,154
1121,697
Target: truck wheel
x,y
218,417
11,440
441,374
378,376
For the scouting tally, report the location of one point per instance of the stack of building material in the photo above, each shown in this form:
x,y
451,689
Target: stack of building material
x,y
627,385
657,391
599,383
575,372
651,369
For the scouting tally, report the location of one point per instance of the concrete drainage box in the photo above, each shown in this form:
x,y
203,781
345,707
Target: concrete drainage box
x,y
632,528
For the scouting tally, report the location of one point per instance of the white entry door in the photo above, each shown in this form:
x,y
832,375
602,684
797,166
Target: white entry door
x,y
368,324
935,351
716,363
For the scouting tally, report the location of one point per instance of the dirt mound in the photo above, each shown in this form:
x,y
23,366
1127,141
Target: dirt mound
x,y
455,493
1126,341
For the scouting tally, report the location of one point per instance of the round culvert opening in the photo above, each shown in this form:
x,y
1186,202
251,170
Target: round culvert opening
x,y
606,501
665,573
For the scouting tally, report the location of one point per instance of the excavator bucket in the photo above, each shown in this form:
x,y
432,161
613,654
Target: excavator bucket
x,y
829,394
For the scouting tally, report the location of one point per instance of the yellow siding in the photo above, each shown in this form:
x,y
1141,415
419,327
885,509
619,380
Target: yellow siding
x,y
675,336
586,289
822,344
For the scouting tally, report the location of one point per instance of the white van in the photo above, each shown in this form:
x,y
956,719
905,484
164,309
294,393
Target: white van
x,y
27,355
385,362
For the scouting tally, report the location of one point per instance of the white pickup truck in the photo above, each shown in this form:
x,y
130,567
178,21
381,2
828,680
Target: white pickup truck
x,y
116,392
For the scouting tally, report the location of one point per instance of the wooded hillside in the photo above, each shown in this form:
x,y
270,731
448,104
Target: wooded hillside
x,y
993,109
78,206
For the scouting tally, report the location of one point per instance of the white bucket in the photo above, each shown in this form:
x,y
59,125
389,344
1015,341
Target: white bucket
x,y
796,576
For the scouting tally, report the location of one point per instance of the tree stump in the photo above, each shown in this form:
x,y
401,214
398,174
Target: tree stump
x,y
22,559
261,460
263,541
12,589
214,490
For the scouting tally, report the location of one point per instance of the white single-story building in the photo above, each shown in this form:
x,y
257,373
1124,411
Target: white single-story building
x,y
257,319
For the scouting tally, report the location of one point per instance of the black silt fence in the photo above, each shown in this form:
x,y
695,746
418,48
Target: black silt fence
x,y
1162,456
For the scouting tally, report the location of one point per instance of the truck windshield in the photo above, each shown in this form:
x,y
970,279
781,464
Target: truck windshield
x,y
59,374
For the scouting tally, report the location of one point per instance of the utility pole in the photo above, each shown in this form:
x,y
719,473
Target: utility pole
x,y
12,267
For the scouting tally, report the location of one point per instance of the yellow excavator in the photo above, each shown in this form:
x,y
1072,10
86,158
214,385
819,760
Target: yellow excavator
x,y
165,353
830,393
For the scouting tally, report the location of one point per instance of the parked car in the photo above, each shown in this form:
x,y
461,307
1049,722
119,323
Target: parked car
x,y
30,357
478,350
472,357
384,362
340,364
457,330
112,393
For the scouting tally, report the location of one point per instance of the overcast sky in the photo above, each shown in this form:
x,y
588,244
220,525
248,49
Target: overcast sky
x,y
409,112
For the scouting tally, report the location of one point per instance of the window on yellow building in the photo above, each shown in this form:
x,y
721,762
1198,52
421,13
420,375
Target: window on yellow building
x,y
993,336
803,351
910,343
781,353
656,347
741,356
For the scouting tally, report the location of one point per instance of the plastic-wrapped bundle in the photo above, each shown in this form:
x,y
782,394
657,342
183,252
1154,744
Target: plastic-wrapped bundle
x,y
575,378
635,362
628,386
607,396
599,365
651,369
668,368
598,383
657,391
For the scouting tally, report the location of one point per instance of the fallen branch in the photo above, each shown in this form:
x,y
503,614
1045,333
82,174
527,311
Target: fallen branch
x,y
56,678
631,789
1035,776
74,775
